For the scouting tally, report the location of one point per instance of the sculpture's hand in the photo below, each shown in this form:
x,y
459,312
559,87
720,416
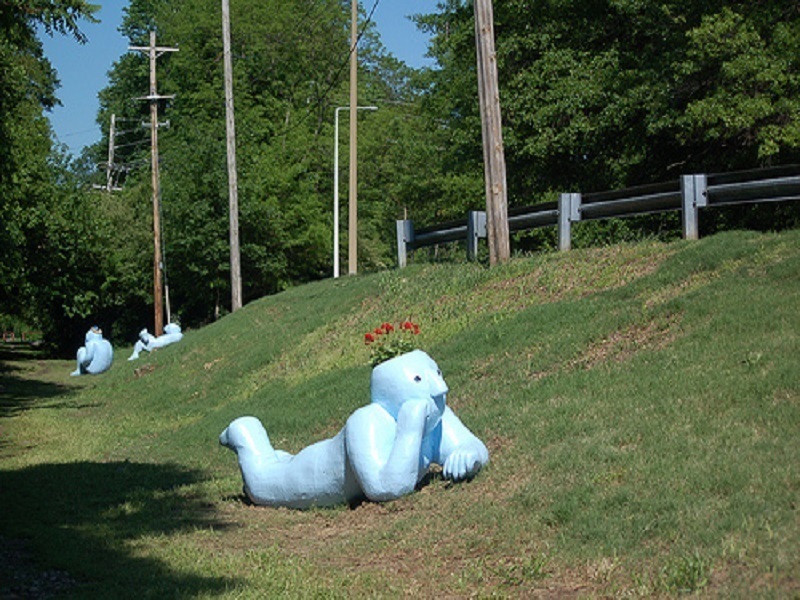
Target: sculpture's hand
x,y
463,463
417,416
385,453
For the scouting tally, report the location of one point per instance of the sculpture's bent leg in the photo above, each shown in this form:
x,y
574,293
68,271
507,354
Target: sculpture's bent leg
x,y
137,348
81,359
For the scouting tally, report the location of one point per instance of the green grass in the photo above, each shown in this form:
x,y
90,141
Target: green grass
x,y
641,404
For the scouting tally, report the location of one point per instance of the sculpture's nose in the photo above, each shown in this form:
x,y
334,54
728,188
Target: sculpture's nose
x,y
438,386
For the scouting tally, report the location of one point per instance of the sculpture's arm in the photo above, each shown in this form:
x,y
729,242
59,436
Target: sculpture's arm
x,y
461,453
385,454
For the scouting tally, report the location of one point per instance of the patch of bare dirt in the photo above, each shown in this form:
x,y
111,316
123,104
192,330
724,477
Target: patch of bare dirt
x,y
617,347
603,269
621,346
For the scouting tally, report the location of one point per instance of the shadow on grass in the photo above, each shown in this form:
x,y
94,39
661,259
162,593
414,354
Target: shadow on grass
x,y
21,390
83,520
18,394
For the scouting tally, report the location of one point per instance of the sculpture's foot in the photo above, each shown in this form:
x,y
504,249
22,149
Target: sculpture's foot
x,y
223,439
244,431
76,373
248,434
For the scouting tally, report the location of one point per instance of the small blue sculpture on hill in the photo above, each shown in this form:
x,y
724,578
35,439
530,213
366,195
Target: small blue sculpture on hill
x,y
384,450
96,355
148,342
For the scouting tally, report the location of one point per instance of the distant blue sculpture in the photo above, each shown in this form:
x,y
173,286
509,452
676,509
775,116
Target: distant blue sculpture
x,y
384,450
96,355
147,341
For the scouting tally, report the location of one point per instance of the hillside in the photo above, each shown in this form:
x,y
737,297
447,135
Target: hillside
x,y
641,405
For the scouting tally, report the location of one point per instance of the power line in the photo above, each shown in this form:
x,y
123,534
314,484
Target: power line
x,y
82,131
336,79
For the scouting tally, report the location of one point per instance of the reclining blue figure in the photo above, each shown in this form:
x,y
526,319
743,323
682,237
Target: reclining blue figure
x,y
96,355
384,450
147,341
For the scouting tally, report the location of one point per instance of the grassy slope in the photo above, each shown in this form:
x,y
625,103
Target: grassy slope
x,y
641,405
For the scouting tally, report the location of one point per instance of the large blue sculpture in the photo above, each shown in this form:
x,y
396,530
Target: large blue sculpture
x,y
384,450
96,355
147,341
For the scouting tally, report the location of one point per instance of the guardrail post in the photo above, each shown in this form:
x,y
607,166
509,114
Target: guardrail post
x,y
569,211
694,195
476,229
405,236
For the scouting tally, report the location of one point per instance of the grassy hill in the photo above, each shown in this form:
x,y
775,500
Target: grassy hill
x,y
641,405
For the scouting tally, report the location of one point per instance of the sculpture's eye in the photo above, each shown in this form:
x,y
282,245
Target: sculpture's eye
x,y
439,372
417,378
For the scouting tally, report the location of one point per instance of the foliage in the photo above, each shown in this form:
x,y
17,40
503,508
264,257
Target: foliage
x,y
29,174
609,94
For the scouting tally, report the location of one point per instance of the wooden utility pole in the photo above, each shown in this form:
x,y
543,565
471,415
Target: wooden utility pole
x,y
352,221
233,186
158,295
491,126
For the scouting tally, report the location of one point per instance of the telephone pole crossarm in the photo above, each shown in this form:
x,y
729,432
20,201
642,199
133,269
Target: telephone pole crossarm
x,y
156,97
157,50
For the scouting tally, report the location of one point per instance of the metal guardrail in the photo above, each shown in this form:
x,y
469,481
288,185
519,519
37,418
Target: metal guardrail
x,y
688,194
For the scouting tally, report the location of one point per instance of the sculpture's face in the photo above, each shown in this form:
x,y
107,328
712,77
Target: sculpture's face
x,y
411,376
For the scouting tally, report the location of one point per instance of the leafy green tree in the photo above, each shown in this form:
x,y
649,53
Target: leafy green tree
x,y
30,172
606,94
67,277
609,93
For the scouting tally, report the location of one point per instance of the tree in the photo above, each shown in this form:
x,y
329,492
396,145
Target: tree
x,y
610,93
28,172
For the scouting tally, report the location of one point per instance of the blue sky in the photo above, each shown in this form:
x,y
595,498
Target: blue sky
x,y
83,70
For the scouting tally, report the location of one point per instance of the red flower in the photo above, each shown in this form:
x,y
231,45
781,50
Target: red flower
x,y
384,345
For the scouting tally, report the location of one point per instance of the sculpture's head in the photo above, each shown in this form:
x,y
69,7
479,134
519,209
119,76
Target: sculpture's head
x,y
172,328
94,334
411,376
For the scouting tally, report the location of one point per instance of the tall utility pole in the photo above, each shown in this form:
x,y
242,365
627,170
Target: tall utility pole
x,y
158,296
491,126
352,221
233,186
336,184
